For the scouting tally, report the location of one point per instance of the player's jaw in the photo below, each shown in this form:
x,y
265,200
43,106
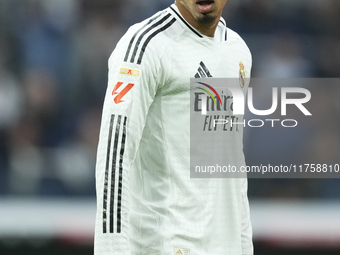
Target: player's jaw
x,y
201,12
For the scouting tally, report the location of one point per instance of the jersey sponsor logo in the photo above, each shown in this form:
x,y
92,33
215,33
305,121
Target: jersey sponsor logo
x,y
122,93
217,104
181,251
129,71
242,75
204,100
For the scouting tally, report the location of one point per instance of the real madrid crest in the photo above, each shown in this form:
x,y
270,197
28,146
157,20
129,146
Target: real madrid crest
x,y
242,75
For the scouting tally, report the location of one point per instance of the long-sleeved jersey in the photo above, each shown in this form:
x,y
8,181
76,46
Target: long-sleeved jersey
x,y
146,201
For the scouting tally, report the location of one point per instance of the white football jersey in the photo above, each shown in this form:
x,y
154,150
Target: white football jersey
x,y
146,201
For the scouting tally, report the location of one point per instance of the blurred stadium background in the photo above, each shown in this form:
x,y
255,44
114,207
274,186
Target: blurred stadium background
x,y
53,74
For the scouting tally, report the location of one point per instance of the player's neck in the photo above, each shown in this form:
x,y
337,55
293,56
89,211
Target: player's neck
x,y
206,29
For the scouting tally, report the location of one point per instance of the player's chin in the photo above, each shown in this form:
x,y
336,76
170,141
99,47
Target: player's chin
x,y
206,18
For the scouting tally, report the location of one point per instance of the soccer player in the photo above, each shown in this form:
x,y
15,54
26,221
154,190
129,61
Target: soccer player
x,y
146,201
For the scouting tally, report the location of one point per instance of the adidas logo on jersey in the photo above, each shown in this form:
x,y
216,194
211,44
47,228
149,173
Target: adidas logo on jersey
x,y
203,71
181,251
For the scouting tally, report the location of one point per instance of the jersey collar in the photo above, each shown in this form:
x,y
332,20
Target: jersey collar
x,y
175,10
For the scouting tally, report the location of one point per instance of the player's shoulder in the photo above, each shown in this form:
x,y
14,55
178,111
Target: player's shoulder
x,y
149,37
235,37
160,21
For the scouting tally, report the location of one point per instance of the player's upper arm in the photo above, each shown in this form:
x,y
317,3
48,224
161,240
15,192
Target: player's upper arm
x,y
133,81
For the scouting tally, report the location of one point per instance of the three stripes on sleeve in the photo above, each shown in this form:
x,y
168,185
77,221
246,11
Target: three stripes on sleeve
x,y
112,196
157,28
113,177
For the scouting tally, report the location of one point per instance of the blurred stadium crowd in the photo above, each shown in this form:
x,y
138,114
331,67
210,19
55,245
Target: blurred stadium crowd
x,y
53,75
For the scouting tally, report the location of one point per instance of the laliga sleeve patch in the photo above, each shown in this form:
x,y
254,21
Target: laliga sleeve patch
x,y
120,93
